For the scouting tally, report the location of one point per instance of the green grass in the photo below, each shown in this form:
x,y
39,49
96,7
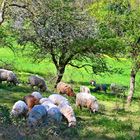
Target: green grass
x,y
109,123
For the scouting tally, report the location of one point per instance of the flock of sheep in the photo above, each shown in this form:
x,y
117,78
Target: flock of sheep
x,y
42,110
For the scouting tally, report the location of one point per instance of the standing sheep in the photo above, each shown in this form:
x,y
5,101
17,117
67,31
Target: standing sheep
x,y
84,89
114,88
9,76
19,108
68,112
64,88
98,87
30,101
88,101
58,99
37,116
38,82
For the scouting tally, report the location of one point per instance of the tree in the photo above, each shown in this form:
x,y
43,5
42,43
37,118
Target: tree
x,y
127,15
2,11
62,31
122,18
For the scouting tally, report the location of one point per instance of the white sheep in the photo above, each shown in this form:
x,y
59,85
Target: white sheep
x,y
48,105
115,88
19,108
9,76
37,95
58,99
68,112
84,89
88,101
42,100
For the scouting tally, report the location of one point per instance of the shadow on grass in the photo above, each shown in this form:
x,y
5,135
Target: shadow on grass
x,y
89,126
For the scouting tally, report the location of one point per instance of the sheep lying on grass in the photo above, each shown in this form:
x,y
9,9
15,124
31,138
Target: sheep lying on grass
x,y
98,87
30,101
38,82
58,99
37,116
37,95
84,89
9,76
88,101
19,108
54,114
64,88
68,112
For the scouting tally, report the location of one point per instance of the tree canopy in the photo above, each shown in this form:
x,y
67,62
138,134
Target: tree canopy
x,y
64,32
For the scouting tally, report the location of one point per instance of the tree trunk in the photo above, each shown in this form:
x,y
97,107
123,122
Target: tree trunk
x,y
2,10
132,86
60,73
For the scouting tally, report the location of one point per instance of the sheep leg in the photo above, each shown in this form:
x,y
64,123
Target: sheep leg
x,y
8,83
90,112
32,87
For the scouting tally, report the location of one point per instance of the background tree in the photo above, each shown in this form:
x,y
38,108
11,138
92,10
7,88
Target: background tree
x,y
122,18
62,31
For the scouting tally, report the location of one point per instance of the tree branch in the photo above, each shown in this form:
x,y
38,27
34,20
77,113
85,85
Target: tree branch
x,y
2,11
80,66
21,6
54,58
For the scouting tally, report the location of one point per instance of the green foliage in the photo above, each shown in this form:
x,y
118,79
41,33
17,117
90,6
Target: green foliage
x,y
4,114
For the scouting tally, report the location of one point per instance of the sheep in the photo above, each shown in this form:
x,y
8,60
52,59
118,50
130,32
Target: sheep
x,y
64,88
19,109
37,95
88,101
38,82
49,104
98,87
58,99
84,89
9,76
30,100
114,88
42,100
54,114
68,113
37,116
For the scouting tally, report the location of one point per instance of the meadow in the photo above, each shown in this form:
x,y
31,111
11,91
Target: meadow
x,y
113,121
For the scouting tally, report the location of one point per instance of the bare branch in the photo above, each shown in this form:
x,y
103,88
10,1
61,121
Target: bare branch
x,y
80,66
20,6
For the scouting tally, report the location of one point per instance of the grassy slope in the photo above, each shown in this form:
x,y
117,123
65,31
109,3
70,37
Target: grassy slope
x,y
107,125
